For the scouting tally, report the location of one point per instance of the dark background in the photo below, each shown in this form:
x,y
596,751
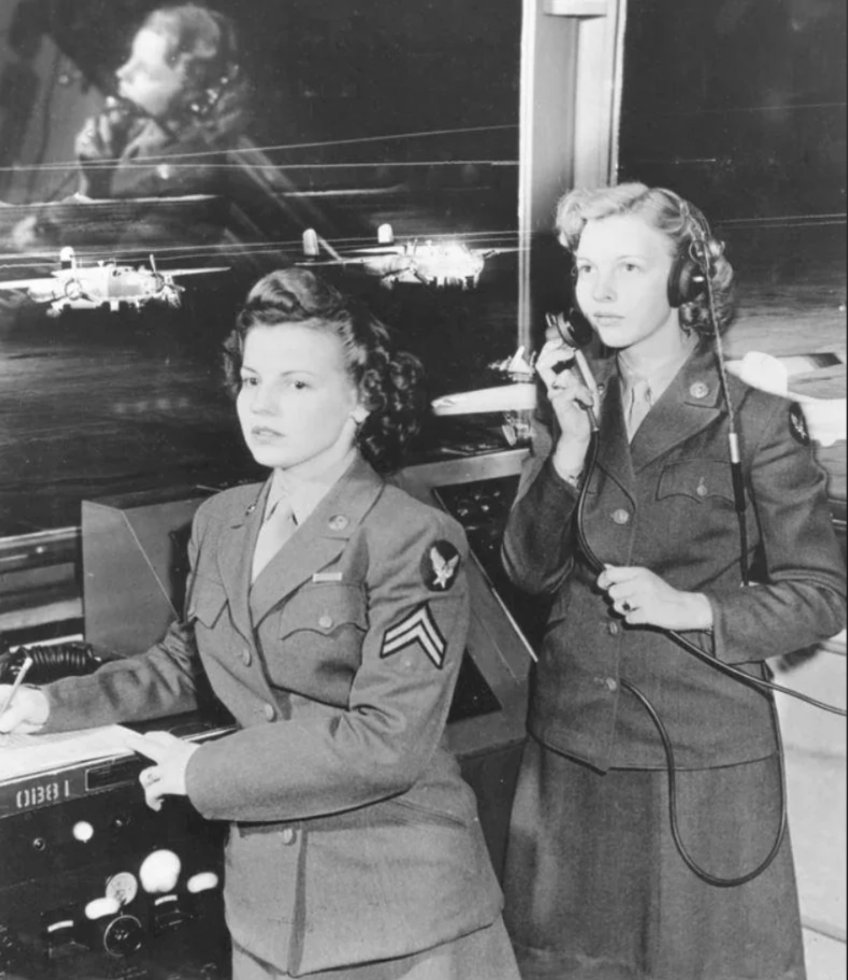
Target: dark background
x,y
405,113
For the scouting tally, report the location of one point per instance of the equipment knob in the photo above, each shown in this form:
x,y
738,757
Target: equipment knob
x,y
99,907
159,872
123,936
83,831
201,882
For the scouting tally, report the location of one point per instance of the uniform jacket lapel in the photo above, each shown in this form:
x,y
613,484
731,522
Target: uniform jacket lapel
x,y
613,453
235,559
317,542
690,403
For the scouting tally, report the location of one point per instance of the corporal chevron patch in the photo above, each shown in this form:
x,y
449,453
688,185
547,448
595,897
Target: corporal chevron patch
x,y
419,627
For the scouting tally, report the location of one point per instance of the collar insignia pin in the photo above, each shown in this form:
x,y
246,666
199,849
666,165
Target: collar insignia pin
x,y
338,522
699,390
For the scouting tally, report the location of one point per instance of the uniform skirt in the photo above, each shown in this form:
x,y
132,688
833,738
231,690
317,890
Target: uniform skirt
x,y
597,890
483,955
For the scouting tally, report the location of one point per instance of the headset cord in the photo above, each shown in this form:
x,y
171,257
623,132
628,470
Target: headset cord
x,y
704,875
754,682
700,252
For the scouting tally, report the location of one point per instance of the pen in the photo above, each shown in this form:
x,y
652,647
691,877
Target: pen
x,y
25,666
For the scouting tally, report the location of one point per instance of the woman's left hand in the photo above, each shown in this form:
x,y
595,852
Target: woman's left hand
x,y
644,599
168,776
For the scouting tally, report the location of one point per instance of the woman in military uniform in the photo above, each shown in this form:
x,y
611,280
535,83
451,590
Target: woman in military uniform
x,y
328,610
639,538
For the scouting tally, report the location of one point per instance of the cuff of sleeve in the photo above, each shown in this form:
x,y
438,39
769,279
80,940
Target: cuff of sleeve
x,y
569,482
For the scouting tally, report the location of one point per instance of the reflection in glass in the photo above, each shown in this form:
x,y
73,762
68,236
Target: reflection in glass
x,y
132,136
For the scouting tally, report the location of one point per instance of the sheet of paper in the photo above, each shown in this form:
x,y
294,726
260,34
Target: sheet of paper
x,y
25,755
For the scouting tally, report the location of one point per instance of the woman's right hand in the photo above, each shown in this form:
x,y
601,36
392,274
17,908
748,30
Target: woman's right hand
x,y
27,713
570,398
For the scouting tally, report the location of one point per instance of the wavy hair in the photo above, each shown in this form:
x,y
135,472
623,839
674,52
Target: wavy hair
x,y
206,44
681,222
389,382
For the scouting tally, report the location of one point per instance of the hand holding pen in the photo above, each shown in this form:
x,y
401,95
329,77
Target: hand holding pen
x,y
24,710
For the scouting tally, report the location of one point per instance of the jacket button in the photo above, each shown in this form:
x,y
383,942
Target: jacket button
x,y
288,836
325,622
269,711
246,657
611,683
620,516
613,629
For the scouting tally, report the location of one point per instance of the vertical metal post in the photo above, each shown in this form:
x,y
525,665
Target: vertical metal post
x,y
570,101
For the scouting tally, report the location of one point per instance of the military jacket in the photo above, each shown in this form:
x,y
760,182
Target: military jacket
x,y
665,501
353,835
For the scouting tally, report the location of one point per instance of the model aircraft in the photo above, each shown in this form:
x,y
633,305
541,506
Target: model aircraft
x,y
74,286
440,263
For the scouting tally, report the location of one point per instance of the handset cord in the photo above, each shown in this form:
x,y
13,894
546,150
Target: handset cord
x,y
671,767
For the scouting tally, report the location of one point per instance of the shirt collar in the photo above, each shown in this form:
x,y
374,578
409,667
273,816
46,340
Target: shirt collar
x,y
303,494
661,375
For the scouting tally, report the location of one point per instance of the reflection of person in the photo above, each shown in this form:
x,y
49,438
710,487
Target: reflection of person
x,y
353,837
595,884
179,99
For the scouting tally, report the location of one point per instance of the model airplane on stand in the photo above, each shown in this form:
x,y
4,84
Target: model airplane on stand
x,y
107,285
434,263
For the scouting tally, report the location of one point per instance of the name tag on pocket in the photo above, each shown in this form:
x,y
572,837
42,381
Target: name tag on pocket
x,y
327,577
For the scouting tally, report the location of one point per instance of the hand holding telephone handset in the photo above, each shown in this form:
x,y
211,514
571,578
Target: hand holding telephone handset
x,y
572,393
104,137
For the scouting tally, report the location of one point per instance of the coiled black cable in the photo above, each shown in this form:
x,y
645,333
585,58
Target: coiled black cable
x,y
50,663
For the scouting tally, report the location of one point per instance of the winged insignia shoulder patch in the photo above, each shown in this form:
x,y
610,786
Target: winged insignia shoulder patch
x,y
798,424
440,566
418,628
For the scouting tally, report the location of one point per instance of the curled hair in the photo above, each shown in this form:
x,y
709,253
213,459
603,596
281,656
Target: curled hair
x,y
204,42
682,224
389,382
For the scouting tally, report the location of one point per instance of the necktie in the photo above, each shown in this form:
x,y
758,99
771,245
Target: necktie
x,y
279,526
640,405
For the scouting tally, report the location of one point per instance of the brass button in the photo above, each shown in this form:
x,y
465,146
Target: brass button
x,y
288,836
325,621
621,516
246,657
611,683
269,711
701,489
613,629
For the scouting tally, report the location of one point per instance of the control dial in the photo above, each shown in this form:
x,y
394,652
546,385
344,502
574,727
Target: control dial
x,y
123,936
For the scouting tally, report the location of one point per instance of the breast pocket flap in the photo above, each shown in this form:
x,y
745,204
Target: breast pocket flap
x,y
699,479
323,609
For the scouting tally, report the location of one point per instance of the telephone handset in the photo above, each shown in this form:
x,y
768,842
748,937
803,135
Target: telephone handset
x,y
572,339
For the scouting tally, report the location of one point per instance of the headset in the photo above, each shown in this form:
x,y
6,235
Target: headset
x,y
227,56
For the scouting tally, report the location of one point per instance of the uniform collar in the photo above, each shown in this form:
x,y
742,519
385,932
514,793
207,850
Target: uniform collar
x,y
690,403
303,493
659,376
318,543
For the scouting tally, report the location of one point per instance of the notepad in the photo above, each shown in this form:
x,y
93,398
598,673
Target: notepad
x,y
28,755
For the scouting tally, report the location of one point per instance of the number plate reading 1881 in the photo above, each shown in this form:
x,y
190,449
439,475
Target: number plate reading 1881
x,y
46,789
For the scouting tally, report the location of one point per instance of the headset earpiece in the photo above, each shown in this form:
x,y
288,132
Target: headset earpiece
x,y
686,281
